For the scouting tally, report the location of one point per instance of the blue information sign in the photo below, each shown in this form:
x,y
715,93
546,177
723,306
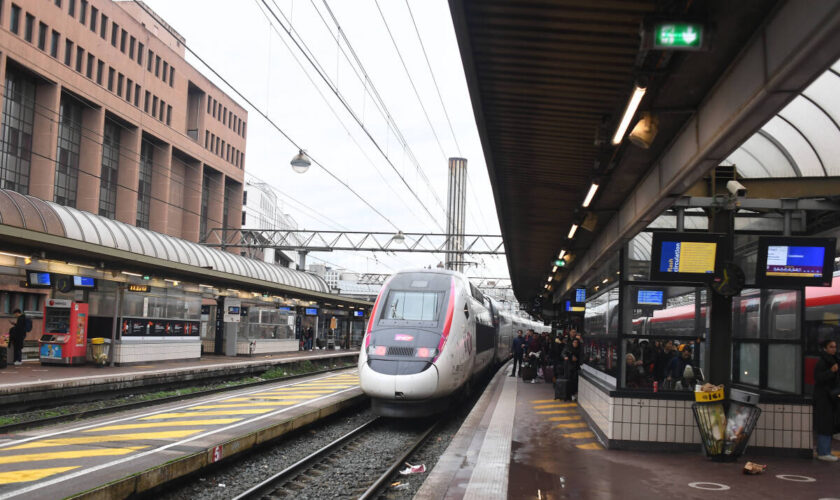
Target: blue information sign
x,y
580,295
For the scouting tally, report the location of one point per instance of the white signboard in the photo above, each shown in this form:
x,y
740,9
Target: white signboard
x,y
233,308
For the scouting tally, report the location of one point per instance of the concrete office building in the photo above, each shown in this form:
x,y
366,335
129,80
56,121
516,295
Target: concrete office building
x,y
102,113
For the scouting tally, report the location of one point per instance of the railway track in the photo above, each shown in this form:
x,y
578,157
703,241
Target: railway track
x,y
313,476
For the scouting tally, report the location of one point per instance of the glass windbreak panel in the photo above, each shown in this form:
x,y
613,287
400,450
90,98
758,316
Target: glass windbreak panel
x,y
637,267
746,315
784,367
746,255
746,363
270,323
600,338
412,306
822,317
784,319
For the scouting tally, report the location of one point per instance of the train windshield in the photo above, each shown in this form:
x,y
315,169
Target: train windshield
x,y
412,306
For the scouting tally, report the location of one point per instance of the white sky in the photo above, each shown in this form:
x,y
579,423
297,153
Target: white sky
x,y
237,40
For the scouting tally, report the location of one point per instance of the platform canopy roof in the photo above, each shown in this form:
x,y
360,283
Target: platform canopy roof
x,y
549,83
31,224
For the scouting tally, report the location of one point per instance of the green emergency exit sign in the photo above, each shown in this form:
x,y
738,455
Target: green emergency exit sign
x,y
678,36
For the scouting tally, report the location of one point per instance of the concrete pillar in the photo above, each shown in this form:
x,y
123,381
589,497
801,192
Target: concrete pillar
x,y
128,175
234,220
45,141
192,202
161,174
720,319
90,159
215,205
2,72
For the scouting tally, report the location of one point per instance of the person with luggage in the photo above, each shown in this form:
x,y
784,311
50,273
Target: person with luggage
x,y
17,334
572,361
518,349
826,398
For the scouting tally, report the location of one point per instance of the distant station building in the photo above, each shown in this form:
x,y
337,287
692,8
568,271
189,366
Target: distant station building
x,y
262,213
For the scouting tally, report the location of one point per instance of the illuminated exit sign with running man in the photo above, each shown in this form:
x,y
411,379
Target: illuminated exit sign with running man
x,y
678,36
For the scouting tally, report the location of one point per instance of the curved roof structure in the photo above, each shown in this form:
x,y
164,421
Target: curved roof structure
x,y
802,140
34,214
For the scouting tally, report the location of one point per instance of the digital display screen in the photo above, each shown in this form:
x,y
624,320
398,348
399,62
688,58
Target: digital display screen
x,y
284,308
39,279
233,310
359,314
571,308
793,261
580,295
693,257
650,297
311,311
84,282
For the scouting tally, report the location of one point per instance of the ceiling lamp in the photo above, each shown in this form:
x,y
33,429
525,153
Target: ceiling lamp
x,y
399,237
645,131
591,194
301,162
572,231
629,112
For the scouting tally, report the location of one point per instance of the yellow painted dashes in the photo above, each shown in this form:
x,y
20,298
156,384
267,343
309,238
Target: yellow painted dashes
x,y
555,405
154,425
563,419
568,414
255,411
578,435
589,446
245,405
555,412
22,476
60,455
577,425
105,439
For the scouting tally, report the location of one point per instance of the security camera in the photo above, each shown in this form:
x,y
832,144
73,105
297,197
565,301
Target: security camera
x,y
736,188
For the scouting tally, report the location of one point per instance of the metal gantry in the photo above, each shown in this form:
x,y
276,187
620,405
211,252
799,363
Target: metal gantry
x,y
303,240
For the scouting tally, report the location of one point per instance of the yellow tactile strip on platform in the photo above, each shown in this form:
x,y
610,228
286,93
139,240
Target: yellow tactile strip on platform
x,y
572,422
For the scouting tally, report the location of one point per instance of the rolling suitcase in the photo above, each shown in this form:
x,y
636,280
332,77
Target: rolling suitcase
x,y
528,372
560,386
548,373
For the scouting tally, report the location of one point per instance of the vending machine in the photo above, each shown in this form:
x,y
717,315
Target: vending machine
x,y
64,341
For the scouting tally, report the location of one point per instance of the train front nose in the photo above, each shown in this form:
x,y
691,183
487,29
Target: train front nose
x,y
382,379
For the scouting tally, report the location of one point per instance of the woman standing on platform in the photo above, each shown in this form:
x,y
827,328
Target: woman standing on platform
x,y
826,399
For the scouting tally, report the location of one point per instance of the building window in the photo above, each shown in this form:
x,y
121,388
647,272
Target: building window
x,y
100,68
54,38
71,8
14,21
144,184
206,138
131,42
140,53
16,141
244,202
171,76
103,27
157,65
110,79
226,206
115,32
80,59
123,37
149,60
28,27
168,114
42,36
209,99
68,52
58,3
205,204
146,102
89,70
83,11
94,14
119,84
128,85
154,105
136,94
243,218
110,168
162,109
69,141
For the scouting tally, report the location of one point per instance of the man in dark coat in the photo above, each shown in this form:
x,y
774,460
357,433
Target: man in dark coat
x,y
17,334
825,404
518,349
572,361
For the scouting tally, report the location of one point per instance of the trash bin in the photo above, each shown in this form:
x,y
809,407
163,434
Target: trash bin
x,y
98,349
724,434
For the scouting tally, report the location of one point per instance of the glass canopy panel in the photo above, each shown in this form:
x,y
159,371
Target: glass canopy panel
x,y
798,148
773,161
824,92
817,127
71,225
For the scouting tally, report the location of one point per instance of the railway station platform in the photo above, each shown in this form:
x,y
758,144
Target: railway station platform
x,y
518,442
119,455
34,381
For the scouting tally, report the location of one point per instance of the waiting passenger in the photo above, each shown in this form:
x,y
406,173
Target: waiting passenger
x,y
826,386
518,349
572,360
679,374
663,359
634,372
17,334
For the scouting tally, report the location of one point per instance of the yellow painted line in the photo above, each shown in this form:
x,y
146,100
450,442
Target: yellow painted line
x,y
105,439
590,446
562,419
276,398
255,411
575,425
22,476
558,405
57,455
151,425
579,435
556,412
544,401
279,393
246,405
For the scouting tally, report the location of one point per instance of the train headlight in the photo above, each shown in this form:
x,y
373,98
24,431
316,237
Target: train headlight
x,y
425,352
379,350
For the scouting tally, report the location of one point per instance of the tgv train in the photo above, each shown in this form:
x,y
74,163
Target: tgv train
x,y
429,334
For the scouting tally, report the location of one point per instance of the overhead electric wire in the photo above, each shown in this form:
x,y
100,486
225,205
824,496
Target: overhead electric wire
x,y
341,99
272,123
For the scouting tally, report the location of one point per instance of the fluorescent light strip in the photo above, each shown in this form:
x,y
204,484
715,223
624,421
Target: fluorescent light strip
x,y
591,194
629,113
19,256
132,274
554,269
550,278
572,231
562,254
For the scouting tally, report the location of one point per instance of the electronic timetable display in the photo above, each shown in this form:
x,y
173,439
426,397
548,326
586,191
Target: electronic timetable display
x,y
795,261
580,295
39,279
650,297
311,312
84,282
573,308
358,314
689,257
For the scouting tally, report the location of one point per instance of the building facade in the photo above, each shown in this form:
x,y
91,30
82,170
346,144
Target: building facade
x,y
101,112
262,211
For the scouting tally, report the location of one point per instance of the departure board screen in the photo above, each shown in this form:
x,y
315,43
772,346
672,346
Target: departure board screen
x,y
650,297
693,257
580,295
806,262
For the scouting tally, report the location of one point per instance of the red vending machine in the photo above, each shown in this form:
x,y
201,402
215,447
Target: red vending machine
x,y
64,341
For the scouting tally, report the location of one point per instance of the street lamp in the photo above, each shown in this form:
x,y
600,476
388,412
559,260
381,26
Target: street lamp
x,y
399,237
301,162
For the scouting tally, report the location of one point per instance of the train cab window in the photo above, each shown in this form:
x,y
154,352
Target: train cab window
x,y
412,306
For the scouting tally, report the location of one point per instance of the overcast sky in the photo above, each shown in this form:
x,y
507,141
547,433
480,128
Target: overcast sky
x,y
237,40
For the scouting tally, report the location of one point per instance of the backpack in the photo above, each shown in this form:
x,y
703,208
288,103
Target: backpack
x,y
28,324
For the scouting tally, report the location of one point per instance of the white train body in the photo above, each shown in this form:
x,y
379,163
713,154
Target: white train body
x,y
430,332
